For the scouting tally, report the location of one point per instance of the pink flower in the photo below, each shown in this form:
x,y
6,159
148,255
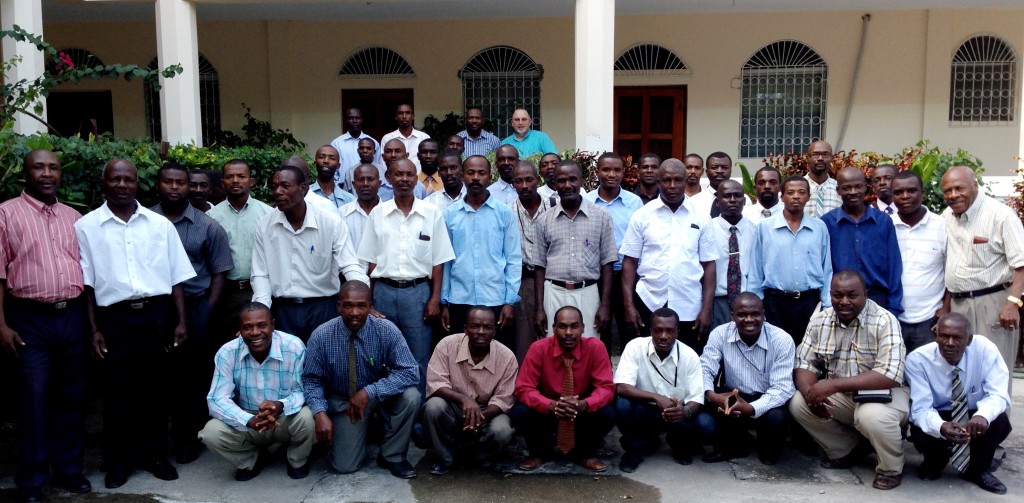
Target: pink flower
x,y
65,62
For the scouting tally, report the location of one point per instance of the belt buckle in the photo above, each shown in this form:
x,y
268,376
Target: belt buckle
x,y
60,305
796,294
298,300
243,284
137,305
404,283
571,285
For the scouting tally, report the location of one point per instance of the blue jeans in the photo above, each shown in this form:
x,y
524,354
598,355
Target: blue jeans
x,y
640,424
404,307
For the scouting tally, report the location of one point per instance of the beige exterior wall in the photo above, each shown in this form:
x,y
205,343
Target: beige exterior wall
x,y
287,71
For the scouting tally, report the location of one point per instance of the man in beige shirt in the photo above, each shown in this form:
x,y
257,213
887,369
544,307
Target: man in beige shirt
x,y
470,380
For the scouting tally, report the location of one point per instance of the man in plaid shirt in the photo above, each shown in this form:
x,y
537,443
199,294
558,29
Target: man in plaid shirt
x,y
256,398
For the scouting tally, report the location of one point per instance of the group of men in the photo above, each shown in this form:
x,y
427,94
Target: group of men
x,y
302,322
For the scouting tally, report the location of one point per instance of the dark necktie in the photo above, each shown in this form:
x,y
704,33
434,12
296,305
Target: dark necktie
x,y
888,210
353,382
566,433
961,452
715,210
732,279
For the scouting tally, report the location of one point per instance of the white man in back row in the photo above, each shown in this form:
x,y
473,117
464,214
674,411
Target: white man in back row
x,y
984,261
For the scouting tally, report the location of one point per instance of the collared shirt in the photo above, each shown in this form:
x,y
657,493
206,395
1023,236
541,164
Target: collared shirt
x,y
241,384
338,197
870,248
321,203
348,154
540,377
871,342
488,261
411,142
621,209
755,212
883,207
433,184
677,376
483,145
140,258
206,244
442,200
355,220
302,263
746,235
829,197
39,256
985,245
490,382
643,197
982,372
385,366
766,368
240,227
345,177
670,245
923,250
503,191
386,192
535,142
574,249
405,247
528,237
551,197
702,201
790,261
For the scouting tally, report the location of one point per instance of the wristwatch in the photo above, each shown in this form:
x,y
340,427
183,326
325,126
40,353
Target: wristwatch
x,y
1015,300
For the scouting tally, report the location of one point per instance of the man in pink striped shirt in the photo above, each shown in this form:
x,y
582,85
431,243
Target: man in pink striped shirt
x,y
41,324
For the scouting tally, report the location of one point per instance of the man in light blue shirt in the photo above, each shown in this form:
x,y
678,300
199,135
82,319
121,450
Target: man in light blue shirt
x,y
327,167
791,263
620,205
488,261
347,145
505,159
476,141
393,151
526,140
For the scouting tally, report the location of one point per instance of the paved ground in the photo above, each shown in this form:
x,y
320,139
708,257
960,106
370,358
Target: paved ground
x,y
796,478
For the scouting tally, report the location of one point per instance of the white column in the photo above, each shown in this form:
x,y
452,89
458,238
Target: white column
x,y
177,43
595,79
28,14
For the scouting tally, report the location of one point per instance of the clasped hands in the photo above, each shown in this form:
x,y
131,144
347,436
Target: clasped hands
x,y
964,433
267,417
568,407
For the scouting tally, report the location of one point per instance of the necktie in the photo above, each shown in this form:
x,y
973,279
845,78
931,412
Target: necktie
x,y
819,202
430,184
353,383
766,213
732,279
961,452
888,210
566,435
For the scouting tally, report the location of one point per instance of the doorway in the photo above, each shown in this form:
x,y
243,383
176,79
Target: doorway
x,y
80,113
378,107
650,119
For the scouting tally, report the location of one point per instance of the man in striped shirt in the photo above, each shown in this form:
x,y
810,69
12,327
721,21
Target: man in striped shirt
x,y
984,261
256,397
41,321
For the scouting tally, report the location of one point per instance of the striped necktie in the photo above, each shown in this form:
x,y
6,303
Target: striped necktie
x,y
961,452
819,201
733,276
566,431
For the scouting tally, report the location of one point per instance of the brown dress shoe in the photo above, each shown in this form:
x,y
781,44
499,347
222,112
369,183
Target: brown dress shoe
x,y
886,482
594,464
530,464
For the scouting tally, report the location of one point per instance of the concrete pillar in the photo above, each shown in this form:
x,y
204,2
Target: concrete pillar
x,y
595,78
28,14
177,43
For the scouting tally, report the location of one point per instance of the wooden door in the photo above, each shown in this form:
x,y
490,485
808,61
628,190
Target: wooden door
x,y
650,119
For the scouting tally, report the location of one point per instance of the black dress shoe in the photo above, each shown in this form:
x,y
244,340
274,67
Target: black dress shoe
x,y
630,462
77,484
682,457
188,453
719,456
439,468
116,477
247,474
298,473
401,469
34,495
988,482
162,470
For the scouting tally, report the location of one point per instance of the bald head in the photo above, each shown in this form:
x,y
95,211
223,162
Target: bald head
x,y
959,188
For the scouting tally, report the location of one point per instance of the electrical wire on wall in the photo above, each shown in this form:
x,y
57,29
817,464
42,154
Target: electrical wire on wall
x,y
853,84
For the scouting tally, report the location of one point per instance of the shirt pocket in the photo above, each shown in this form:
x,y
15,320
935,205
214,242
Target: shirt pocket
x,y
319,261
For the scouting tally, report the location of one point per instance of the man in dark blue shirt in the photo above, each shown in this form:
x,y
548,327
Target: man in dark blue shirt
x,y
864,239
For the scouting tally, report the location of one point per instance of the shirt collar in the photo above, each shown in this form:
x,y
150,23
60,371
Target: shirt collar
x,y
734,336
275,348
106,214
870,213
353,207
651,351
557,352
972,212
308,222
417,207
583,209
778,221
461,204
463,355
36,204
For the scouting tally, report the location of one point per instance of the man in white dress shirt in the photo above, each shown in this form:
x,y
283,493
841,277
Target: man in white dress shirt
x,y
732,265
406,133
768,184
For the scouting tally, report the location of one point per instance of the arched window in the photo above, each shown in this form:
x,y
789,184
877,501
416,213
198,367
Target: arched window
x,y
209,103
649,60
499,80
81,58
782,108
375,63
982,82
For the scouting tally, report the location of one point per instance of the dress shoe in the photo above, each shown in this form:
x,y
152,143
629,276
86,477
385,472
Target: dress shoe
x,y
401,469
77,483
988,482
630,462
299,472
718,456
858,453
162,470
33,495
768,458
930,470
886,482
530,464
116,477
594,464
682,457
247,474
438,468
188,453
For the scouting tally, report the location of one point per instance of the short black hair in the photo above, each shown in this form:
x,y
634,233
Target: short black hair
x,y
232,162
651,155
449,153
171,166
695,156
609,155
908,175
846,274
798,179
300,177
719,155
485,309
665,312
571,308
250,307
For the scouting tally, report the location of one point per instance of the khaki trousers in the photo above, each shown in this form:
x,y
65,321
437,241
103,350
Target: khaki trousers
x,y
241,448
880,423
983,313
587,300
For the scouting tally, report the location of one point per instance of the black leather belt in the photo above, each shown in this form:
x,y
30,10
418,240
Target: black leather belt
x,y
982,292
242,284
573,285
47,306
402,283
527,273
792,294
297,300
136,304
